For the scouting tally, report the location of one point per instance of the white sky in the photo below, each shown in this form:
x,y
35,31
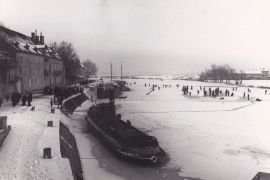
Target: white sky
x,y
151,36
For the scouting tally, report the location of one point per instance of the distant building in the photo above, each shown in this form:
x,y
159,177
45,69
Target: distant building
x,y
27,64
265,72
255,74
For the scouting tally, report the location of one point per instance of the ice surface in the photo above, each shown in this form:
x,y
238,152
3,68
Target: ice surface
x,y
205,137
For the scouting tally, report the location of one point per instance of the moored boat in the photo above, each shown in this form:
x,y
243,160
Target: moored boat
x,y
121,136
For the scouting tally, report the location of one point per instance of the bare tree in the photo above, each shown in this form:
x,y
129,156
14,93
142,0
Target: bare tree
x,y
242,76
70,58
91,67
219,73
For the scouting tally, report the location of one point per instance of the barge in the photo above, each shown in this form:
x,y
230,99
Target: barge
x,y
121,137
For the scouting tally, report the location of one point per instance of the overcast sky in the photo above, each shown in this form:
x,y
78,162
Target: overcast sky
x,y
151,36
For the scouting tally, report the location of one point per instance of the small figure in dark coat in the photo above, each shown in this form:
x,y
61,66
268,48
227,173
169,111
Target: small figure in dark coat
x,y
51,103
17,97
30,96
28,100
24,98
13,99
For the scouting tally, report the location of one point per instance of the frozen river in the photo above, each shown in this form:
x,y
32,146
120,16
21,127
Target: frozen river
x,y
206,138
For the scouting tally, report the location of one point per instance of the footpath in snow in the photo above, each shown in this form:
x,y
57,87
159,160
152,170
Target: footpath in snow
x,y
21,155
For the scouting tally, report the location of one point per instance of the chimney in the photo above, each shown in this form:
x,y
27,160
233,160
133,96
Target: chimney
x,y
33,36
36,39
41,39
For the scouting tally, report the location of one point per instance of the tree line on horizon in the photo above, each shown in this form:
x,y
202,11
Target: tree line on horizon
x,y
221,73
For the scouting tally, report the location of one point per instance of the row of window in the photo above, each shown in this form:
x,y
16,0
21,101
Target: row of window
x,y
38,62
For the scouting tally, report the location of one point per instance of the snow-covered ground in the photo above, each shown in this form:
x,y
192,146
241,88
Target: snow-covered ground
x,y
257,83
204,137
22,151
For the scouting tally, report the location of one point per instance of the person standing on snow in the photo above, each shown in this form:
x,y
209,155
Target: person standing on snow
x,y
51,103
28,100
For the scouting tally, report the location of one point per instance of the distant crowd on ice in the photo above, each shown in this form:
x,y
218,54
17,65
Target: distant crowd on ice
x,y
213,92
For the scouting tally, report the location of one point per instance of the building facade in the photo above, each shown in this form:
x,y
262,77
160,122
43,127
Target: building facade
x,y
262,73
27,64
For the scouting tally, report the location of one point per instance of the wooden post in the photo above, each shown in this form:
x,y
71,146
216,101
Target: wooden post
x,y
47,153
50,124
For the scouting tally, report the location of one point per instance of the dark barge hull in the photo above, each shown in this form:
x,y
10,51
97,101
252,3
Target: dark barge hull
x,y
116,147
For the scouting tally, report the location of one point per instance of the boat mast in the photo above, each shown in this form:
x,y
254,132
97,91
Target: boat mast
x,y
121,71
111,71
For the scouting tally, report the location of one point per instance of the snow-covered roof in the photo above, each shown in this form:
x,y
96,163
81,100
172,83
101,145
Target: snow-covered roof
x,y
23,43
253,72
41,46
47,51
26,47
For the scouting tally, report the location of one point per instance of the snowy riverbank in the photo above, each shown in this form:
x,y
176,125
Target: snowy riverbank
x,y
22,151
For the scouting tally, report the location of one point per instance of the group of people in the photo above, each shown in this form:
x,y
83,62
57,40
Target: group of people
x,y
62,93
211,92
244,95
185,90
153,86
16,97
